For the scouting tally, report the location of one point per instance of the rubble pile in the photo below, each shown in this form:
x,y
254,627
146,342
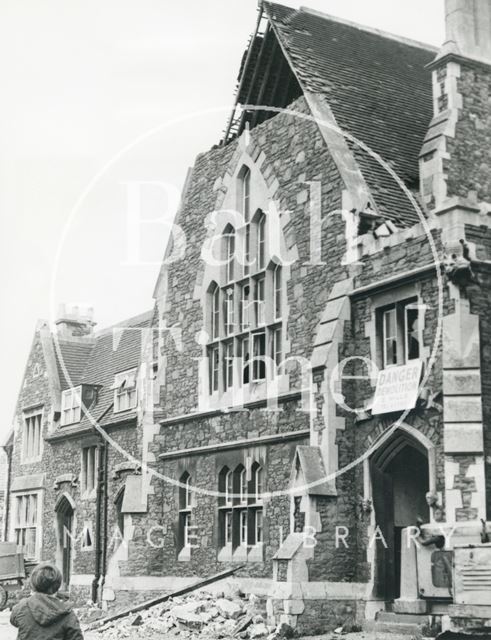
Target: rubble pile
x,y
199,615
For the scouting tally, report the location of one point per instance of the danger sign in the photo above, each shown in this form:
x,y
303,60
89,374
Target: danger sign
x,y
397,388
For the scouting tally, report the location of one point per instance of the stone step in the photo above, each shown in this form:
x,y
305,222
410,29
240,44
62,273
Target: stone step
x,y
407,618
398,628
389,626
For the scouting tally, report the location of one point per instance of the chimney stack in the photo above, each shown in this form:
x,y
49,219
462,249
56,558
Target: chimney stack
x,y
74,322
468,28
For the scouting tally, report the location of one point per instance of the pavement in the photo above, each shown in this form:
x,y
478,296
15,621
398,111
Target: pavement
x,y
7,631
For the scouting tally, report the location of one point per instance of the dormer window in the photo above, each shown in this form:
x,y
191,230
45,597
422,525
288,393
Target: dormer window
x,y
125,392
71,406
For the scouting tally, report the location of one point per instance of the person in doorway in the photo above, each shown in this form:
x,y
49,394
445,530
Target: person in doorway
x,y
43,616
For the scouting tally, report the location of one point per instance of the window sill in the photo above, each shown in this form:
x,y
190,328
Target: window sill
x,y
120,411
225,554
184,555
256,554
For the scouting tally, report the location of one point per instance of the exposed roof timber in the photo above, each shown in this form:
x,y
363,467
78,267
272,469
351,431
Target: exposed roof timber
x,y
233,115
256,74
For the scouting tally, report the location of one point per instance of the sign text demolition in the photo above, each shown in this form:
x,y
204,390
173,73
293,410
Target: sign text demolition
x,y
397,388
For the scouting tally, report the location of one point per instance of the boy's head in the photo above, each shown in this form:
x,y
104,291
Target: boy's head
x,y
46,578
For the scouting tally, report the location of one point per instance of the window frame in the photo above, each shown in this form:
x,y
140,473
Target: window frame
x,y
18,525
128,392
74,409
400,335
88,489
32,447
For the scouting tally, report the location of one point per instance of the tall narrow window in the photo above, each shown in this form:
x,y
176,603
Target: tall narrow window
x,y
230,253
243,487
228,365
259,351
214,367
243,528
228,308
215,313
277,291
31,443
229,487
412,331
258,526
247,249
185,510
244,307
225,492
246,194
259,301
258,484
245,359
390,337
276,349
261,242
89,470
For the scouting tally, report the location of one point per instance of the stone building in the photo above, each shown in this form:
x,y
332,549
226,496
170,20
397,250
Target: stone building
x,y
322,352
73,492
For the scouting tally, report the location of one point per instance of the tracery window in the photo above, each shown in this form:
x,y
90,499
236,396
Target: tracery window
x,y
240,507
245,305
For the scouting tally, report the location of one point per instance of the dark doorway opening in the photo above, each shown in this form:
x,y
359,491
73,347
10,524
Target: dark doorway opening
x,y
400,480
64,513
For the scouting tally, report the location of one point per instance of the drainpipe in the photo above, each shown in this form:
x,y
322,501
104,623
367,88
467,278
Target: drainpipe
x,y
105,471
101,516
6,512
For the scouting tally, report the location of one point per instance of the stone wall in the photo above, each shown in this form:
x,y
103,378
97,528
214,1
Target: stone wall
x,y
469,166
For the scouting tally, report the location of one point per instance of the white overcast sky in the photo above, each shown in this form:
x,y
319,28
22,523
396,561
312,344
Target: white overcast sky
x,y
80,82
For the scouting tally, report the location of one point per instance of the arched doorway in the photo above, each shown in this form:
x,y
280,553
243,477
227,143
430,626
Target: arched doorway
x,y
399,471
64,518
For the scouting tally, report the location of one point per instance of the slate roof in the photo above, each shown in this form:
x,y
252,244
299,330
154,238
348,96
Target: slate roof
x,y
377,87
111,351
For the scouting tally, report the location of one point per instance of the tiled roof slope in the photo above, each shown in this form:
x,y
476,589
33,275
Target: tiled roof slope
x,y
113,350
377,87
71,358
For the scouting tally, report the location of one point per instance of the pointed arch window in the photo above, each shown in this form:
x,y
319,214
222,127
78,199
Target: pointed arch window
x,y
240,507
215,312
185,509
229,253
246,307
261,242
277,290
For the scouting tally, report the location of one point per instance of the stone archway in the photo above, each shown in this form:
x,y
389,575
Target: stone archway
x,y
400,474
65,510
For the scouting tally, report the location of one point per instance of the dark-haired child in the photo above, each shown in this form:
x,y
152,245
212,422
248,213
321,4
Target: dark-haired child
x,y
43,616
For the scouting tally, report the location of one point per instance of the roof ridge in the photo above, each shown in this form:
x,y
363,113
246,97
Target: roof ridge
x,y
362,27
129,322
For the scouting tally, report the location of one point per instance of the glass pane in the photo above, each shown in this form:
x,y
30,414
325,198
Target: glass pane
x,y
412,333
